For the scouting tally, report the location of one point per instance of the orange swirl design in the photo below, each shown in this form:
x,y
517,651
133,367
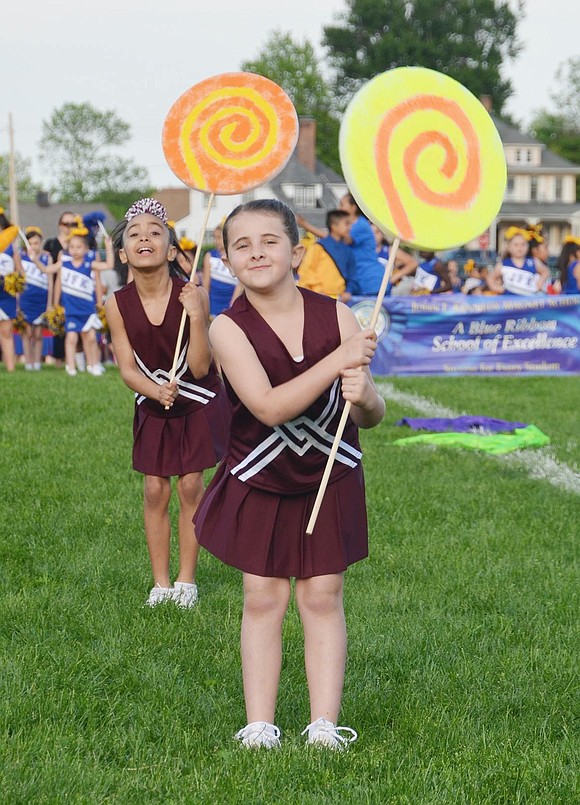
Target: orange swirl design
x,y
469,186
230,133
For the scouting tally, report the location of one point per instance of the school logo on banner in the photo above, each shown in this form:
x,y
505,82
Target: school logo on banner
x,y
364,313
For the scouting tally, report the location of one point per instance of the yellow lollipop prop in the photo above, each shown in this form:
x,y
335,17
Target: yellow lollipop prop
x,y
425,162
423,158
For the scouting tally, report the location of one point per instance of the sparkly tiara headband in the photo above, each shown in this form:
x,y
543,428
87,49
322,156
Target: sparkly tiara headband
x,y
147,205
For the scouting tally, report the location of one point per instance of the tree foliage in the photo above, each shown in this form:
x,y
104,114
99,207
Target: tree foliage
x,y
467,39
294,66
26,188
560,130
567,97
77,145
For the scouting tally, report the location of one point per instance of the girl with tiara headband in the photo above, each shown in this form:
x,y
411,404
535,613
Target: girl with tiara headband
x,y
179,427
290,357
76,290
569,265
520,275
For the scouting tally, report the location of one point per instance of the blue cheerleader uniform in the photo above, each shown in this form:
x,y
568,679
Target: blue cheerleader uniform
x,y
34,298
519,280
571,286
426,277
7,301
78,295
222,284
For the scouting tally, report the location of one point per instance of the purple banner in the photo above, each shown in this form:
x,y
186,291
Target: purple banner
x,y
452,334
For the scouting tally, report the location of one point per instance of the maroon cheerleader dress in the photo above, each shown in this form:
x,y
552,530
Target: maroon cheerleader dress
x,y
254,512
191,435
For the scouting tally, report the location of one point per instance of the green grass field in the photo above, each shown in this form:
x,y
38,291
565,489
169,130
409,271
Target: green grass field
x,y
462,676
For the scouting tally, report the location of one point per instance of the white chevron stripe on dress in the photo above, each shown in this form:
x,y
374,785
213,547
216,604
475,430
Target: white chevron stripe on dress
x,y
299,435
161,376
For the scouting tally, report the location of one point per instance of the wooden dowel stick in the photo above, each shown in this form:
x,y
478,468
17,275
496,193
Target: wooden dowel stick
x,y
192,275
347,406
24,238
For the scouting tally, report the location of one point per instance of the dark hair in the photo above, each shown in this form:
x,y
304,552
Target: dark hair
x,y
534,242
66,212
334,217
175,270
4,222
568,250
441,269
353,201
77,234
267,206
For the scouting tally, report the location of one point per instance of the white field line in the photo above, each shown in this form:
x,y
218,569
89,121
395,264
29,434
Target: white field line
x,y
539,463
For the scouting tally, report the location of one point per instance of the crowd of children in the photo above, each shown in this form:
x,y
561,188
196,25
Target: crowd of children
x,y
65,274
522,270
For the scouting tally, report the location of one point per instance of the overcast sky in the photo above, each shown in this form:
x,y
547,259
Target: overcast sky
x,y
137,58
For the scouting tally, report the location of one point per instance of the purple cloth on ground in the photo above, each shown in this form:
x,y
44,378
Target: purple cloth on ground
x,y
462,424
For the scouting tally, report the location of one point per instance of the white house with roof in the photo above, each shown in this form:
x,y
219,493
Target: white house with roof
x,y
541,188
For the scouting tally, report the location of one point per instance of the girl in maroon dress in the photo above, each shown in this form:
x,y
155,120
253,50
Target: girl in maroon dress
x,y
290,359
180,427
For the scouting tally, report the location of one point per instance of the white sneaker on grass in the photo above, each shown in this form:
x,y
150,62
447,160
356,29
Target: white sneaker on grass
x,y
323,732
259,734
70,372
96,370
159,595
185,595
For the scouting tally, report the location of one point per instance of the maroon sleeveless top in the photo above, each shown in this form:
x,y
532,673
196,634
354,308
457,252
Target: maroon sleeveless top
x,y
154,348
290,458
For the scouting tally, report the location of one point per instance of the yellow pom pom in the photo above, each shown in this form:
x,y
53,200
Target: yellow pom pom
x,y
54,319
14,283
102,318
19,323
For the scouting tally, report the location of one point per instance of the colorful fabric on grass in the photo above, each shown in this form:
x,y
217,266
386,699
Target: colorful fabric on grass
x,y
496,444
462,424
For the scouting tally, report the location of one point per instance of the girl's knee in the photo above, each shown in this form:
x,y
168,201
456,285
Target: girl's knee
x,y
156,490
190,488
266,596
320,595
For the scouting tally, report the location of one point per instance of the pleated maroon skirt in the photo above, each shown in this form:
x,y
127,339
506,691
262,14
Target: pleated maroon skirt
x,y
265,534
183,444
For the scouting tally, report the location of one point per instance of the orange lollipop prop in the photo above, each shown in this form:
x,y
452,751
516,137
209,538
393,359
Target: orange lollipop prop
x,y
226,135
230,133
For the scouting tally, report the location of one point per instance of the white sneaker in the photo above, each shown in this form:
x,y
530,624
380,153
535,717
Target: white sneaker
x,y
185,595
70,372
37,367
258,734
158,595
29,367
97,370
323,732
